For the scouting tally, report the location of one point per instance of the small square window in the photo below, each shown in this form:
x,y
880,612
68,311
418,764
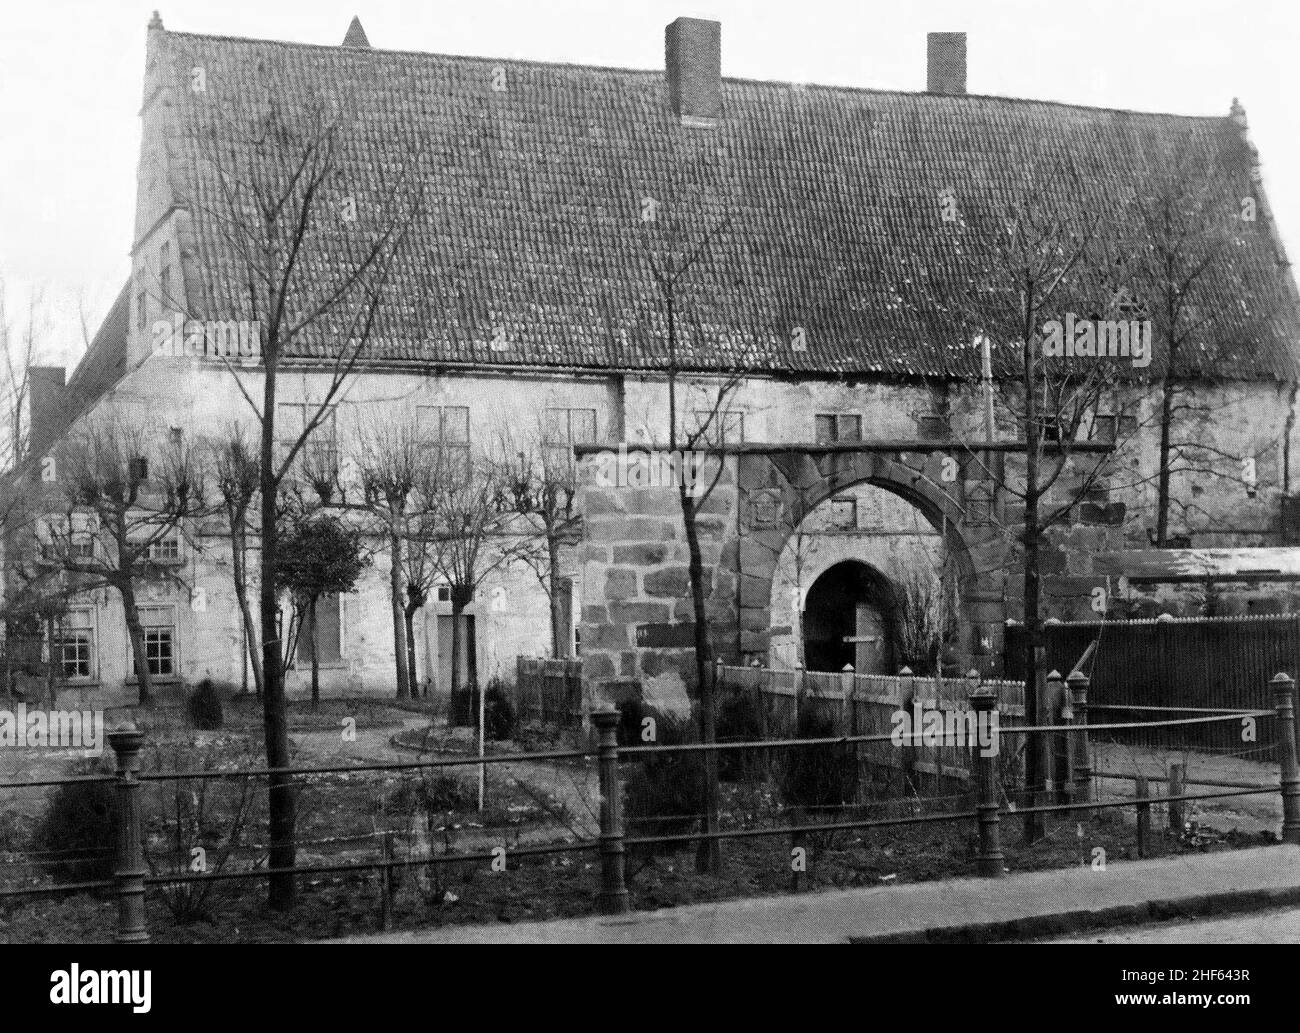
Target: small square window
x,y
844,514
165,550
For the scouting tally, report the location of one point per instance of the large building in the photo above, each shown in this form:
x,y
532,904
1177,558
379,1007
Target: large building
x,y
547,198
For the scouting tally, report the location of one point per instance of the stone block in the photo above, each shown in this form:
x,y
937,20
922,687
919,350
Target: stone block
x,y
648,554
616,637
671,582
598,665
638,612
601,501
620,583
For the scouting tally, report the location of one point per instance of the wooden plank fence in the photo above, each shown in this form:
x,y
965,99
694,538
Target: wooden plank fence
x,y
1199,663
549,691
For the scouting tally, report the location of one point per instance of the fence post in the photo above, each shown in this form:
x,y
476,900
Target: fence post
x,y
1284,701
613,891
386,884
1057,706
1143,815
846,688
1176,806
1077,683
128,862
984,702
907,762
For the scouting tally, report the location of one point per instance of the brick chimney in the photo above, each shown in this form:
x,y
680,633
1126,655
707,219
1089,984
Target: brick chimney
x,y
44,407
946,63
693,57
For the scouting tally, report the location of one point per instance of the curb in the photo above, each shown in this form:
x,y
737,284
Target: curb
x,y
1033,927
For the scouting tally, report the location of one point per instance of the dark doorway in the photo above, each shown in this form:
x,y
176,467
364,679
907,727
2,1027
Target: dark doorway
x,y
849,619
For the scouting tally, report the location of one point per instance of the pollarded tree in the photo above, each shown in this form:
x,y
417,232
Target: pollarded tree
x,y
319,556
539,482
237,475
468,535
115,513
392,460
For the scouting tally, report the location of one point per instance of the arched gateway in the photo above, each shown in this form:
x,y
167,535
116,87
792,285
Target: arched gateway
x,y
637,617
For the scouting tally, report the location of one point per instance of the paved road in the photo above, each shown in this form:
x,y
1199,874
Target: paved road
x,y
1263,927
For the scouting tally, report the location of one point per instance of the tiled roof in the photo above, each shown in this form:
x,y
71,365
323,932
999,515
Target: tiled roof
x,y
101,366
537,176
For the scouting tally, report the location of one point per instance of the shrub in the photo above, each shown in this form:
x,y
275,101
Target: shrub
x,y
76,830
739,721
431,794
825,775
203,706
498,712
665,792
195,812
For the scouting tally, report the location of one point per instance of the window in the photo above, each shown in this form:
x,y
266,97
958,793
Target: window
x,y
833,427
73,649
444,593
448,427
725,427
561,430
83,547
165,550
159,624
141,310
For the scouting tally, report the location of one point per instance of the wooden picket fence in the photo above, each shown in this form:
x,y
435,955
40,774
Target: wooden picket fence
x,y
866,704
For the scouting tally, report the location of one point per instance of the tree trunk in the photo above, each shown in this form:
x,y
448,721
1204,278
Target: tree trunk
x,y
1033,831
399,618
559,640
408,616
1162,484
135,632
49,701
457,607
281,801
709,855
315,662
239,568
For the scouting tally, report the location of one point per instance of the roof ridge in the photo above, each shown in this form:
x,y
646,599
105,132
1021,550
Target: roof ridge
x,y
789,84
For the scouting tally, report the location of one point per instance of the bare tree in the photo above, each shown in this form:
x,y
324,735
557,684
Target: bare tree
x,y
1188,217
312,257
469,535
538,480
237,475
671,266
1046,254
116,504
392,461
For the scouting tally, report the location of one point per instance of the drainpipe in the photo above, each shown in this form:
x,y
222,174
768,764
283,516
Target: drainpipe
x,y
1286,440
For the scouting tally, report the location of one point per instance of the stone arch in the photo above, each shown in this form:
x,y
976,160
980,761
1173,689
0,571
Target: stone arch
x,y
778,490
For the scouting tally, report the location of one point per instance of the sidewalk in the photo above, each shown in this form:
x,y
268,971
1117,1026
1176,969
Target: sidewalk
x,y
1019,906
